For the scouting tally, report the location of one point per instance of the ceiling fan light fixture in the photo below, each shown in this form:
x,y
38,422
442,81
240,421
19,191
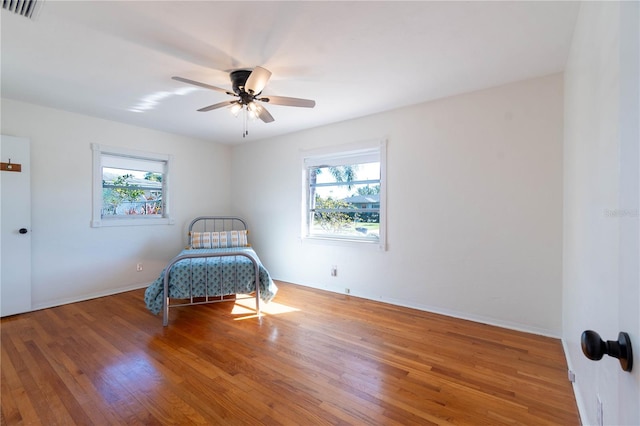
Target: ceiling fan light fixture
x,y
253,110
235,109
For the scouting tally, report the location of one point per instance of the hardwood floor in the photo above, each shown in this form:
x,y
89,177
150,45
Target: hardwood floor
x,y
317,358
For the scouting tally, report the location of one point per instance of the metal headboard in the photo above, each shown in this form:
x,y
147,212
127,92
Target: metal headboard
x,y
217,224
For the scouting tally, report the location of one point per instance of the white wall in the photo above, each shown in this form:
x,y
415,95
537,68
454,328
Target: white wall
x,y
474,207
72,261
601,290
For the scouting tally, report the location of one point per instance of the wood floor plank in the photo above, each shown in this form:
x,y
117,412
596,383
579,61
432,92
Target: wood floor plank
x,y
326,359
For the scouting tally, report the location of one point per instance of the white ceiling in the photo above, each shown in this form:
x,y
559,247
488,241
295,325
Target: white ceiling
x,y
115,60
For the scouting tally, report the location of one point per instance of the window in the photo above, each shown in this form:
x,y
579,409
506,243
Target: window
x,y
129,187
344,193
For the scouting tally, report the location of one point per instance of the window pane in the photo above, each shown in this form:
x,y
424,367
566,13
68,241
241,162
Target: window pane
x,y
128,192
345,201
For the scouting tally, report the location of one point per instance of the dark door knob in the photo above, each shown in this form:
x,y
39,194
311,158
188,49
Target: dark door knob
x,y
595,348
23,230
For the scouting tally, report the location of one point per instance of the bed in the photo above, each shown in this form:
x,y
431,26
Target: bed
x,y
217,263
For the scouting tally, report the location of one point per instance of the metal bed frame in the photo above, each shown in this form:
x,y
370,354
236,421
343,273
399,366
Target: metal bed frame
x,y
209,224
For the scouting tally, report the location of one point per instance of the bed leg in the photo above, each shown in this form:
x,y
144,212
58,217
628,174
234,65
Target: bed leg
x,y
257,271
165,295
165,313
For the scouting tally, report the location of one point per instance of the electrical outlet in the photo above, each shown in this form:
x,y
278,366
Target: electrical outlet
x,y
571,376
334,271
347,290
139,267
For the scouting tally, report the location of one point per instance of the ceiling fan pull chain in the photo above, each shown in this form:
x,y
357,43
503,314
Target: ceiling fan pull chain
x,y
246,122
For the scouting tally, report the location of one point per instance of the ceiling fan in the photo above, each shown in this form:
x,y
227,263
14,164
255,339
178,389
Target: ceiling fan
x,y
247,86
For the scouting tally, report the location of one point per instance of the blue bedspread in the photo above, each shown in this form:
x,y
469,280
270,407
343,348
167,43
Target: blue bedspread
x,y
217,276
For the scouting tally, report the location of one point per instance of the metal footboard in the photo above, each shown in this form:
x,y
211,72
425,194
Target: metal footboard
x,y
166,305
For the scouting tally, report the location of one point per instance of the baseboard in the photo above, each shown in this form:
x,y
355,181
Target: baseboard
x,y
582,409
475,318
89,296
450,313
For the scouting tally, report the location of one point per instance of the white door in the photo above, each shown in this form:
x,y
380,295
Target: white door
x,y
15,224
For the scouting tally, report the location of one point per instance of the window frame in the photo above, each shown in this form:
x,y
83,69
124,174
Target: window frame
x,y
98,220
343,155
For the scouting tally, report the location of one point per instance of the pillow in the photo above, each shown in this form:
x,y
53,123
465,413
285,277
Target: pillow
x,y
239,238
200,240
215,240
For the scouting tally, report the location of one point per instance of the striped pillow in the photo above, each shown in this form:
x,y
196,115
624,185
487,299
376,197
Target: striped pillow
x,y
239,238
200,240
215,240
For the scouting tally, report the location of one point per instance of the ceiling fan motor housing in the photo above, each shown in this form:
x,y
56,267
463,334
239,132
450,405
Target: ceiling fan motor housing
x,y
238,80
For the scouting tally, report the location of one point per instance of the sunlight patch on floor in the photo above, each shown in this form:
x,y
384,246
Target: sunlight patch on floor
x,y
247,308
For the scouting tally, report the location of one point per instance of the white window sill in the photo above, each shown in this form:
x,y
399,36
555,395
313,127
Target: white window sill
x,y
344,242
131,221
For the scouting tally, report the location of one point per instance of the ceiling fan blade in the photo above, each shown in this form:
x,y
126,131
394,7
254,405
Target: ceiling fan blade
x,y
264,115
218,105
257,80
283,100
206,86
